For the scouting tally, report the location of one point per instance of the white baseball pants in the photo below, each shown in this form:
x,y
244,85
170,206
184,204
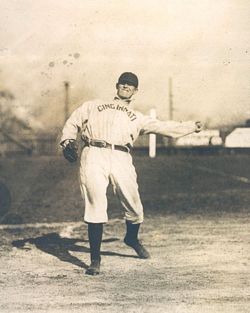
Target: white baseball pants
x,y
98,167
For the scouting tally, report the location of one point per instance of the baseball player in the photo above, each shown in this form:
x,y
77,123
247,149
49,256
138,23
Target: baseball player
x,y
108,129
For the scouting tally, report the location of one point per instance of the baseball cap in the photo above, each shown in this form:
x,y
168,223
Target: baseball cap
x,y
129,78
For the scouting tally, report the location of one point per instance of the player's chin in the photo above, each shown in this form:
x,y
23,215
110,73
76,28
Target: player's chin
x,y
124,94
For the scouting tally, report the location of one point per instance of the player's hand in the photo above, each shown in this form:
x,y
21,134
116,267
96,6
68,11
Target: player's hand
x,y
198,127
70,151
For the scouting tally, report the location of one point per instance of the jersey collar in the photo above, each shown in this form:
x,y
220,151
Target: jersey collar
x,y
127,101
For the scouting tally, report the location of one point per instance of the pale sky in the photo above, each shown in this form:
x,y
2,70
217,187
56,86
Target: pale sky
x,y
203,45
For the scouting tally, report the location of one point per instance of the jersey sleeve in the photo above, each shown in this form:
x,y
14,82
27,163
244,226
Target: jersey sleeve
x,y
75,122
173,129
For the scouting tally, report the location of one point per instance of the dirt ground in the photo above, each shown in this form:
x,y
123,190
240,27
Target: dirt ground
x,y
197,265
197,231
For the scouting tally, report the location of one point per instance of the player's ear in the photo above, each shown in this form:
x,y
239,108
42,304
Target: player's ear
x,y
135,91
117,86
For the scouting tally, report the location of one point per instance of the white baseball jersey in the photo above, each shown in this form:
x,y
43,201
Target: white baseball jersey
x,y
116,123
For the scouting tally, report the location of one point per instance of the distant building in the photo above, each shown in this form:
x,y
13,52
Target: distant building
x,y
15,143
209,137
15,133
238,138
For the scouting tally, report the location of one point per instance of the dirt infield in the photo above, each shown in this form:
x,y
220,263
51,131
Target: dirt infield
x,y
197,265
196,228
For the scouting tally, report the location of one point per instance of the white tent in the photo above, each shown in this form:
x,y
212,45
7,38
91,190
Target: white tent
x,y
209,137
238,138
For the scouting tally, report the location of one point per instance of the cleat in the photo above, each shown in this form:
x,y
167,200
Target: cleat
x,y
94,268
138,247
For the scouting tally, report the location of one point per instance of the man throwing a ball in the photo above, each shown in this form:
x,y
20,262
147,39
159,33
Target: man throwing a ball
x,y
108,129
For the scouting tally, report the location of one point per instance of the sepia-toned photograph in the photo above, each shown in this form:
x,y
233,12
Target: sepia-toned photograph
x,y
125,156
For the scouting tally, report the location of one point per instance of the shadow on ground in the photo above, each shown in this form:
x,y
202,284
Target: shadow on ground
x,y
60,247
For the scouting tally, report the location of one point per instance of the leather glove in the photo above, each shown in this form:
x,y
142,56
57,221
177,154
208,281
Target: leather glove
x,y
70,151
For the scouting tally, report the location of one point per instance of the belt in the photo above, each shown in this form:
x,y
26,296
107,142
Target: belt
x,y
105,144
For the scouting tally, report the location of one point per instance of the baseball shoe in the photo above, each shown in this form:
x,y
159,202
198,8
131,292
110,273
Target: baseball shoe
x,y
138,247
94,268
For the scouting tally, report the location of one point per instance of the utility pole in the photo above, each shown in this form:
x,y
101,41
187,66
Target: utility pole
x,y
171,106
66,104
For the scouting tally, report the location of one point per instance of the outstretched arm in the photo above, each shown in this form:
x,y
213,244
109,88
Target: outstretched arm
x,y
169,128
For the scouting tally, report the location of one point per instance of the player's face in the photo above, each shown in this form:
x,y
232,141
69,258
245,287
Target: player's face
x,y
125,91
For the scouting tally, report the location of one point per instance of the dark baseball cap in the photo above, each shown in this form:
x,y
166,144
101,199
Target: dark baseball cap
x,y
128,78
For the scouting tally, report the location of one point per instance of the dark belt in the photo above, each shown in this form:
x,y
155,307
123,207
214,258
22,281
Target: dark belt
x,y
105,144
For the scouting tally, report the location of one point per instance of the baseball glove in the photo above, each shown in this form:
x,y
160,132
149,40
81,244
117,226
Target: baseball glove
x,y
70,152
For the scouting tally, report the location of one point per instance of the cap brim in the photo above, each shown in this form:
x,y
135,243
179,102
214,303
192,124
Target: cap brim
x,y
129,82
